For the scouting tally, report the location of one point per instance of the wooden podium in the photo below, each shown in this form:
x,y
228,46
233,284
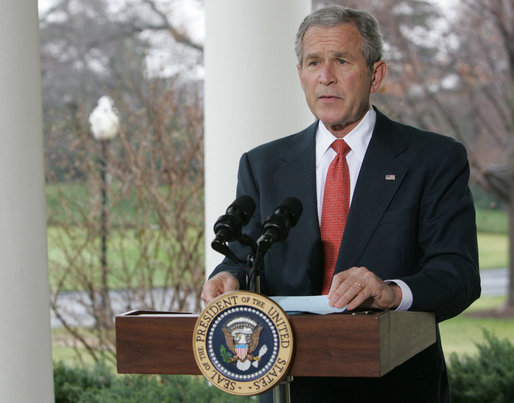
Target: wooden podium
x,y
344,345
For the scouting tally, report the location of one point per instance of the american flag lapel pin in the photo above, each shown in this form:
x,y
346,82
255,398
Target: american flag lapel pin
x,y
390,177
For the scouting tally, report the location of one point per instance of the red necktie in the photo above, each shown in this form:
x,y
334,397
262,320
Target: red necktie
x,y
336,204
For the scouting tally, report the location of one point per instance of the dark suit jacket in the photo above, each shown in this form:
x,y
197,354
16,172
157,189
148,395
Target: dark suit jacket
x,y
418,227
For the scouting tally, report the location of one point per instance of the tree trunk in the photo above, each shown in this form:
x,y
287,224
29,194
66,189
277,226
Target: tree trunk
x,y
510,288
510,173
509,45
510,211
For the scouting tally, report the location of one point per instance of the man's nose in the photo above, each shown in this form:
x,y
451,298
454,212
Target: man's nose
x,y
326,75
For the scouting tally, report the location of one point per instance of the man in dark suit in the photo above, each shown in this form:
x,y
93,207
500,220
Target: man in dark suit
x,y
409,238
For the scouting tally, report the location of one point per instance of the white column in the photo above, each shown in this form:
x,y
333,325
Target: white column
x,y
25,345
252,91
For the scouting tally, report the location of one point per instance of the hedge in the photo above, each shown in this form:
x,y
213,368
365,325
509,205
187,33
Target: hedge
x,y
99,385
486,377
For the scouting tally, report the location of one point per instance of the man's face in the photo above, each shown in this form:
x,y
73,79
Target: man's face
x,y
335,77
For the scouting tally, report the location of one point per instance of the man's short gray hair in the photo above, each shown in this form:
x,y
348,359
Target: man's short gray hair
x,y
332,16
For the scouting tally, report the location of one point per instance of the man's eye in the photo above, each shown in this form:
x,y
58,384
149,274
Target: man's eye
x,y
341,61
313,63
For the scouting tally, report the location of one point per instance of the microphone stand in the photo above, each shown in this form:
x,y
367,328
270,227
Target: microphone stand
x,y
263,245
253,275
249,266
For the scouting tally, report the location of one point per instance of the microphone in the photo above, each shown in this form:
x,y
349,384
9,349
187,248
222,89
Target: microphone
x,y
228,227
277,225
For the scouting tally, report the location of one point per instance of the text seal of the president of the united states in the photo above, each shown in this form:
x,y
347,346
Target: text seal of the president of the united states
x,y
243,343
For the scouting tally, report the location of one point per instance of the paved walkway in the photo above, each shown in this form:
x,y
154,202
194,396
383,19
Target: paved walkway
x,y
494,282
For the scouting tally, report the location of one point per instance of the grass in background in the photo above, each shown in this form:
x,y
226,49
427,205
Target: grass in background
x,y
493,221
493,250
493,238
63,350
69,356
460,334
124,254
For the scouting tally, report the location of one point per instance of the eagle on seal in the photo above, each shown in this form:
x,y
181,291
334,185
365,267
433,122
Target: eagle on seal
x,y
242,343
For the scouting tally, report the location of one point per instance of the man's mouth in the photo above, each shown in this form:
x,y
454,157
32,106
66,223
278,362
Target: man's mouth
x,y
328,98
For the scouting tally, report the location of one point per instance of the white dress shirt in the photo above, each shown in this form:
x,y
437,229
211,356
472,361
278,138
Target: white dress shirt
x,y
358,140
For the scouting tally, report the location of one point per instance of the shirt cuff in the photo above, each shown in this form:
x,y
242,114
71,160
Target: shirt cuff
x,y
407,298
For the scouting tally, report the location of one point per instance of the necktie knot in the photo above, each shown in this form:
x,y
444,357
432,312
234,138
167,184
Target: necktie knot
x,y
340,147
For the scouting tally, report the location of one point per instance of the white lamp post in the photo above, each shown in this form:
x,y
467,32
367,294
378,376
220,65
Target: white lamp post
x,y
105,125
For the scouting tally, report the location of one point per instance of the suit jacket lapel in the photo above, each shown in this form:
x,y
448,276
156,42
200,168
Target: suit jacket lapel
x,y
380,177
297,178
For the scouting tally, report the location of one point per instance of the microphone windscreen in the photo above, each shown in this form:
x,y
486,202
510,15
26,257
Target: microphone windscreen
x,y
245,205
294,207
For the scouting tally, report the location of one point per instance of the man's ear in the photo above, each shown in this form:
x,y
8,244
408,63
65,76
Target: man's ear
x,y
377,76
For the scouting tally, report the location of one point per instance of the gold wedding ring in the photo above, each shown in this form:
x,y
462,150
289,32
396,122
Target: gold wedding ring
x,y
359,284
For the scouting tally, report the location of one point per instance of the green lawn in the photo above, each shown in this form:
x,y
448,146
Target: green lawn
x,y
493,250
489,220
492,238
460,334
134,258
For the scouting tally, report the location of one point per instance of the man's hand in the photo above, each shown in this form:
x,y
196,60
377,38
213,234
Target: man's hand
x,y
221,283
360,287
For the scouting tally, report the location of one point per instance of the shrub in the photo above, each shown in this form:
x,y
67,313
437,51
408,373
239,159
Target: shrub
x,y
486,377
100,385
71,383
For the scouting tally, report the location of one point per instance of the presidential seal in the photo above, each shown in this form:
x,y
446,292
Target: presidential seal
x,y
243,343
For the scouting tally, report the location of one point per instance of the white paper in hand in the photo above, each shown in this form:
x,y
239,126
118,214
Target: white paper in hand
x,y
311,303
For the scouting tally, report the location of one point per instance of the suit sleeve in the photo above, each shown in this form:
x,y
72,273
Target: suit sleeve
x,y
448,280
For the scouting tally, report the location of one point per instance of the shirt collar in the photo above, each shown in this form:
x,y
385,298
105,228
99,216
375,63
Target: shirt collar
x,y
358,139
